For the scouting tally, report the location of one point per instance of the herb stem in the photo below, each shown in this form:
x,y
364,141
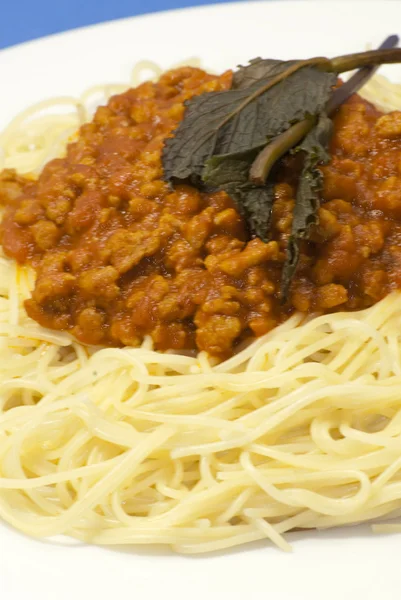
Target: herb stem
x,y
358,79
271,153
371,58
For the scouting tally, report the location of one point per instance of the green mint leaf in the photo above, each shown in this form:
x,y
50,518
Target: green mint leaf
x,y
255,203
244,119
307,201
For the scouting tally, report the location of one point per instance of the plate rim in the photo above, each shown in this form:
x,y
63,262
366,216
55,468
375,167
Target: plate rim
x,y
232,4
220,566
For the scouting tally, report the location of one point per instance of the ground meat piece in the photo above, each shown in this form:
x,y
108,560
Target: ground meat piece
x,y
341,259
52,285
85,212
369,237
99,283
261,325
46,234
174,336
126,249
58,210
181,255
301,297
79,259
120,254
221,306
217,333
124,330
28,212
183,201
139,207
222,244
352,135
90,324
282,212
387,197
327,226
190,290
255,253
338,185
198,229
330,295
229,221
375,283
11,186
389,126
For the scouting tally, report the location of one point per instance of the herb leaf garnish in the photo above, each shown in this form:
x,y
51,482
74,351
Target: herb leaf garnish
x,y
241,120
307,200
230,140
255,203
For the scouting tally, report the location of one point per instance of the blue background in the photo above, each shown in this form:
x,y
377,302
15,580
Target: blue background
x,y
22,20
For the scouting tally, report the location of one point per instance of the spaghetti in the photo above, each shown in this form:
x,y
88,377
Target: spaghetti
x,y
301,429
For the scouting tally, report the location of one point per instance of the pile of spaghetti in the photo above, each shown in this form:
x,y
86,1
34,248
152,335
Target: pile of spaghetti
x,y
301,429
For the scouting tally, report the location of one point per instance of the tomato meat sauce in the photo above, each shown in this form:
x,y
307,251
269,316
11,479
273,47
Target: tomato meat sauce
x,y
119,255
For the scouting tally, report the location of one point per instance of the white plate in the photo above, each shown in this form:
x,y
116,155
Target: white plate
x,y
338,565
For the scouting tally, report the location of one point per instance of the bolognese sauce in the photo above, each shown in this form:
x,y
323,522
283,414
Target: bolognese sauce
x,y
120,255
